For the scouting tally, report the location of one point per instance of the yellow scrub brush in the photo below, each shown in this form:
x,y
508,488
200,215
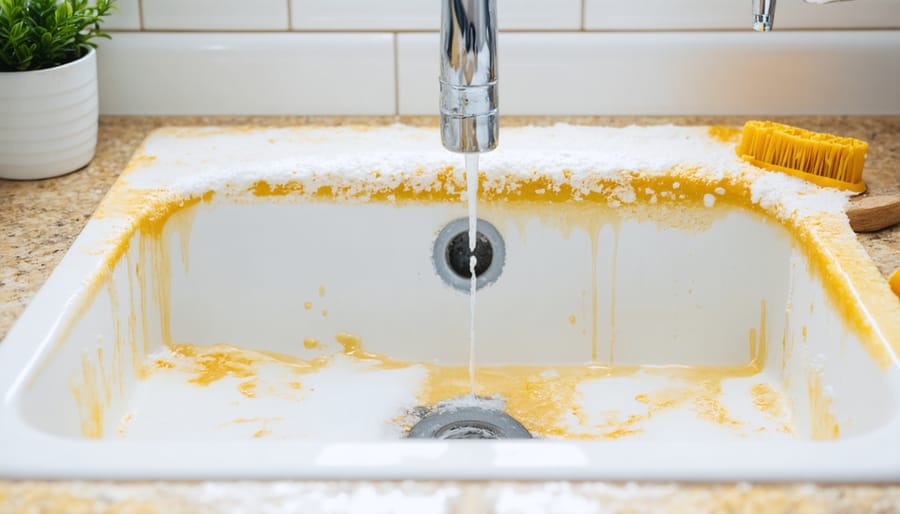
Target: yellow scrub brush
x,y
822,159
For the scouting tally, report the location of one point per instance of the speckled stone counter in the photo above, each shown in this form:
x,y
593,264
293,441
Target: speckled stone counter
x,y
39,221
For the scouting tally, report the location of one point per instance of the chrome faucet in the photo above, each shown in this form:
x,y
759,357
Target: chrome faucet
x,y
764,13
469,119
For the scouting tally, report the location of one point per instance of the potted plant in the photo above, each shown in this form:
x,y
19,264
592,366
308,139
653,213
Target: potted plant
x,y
48,85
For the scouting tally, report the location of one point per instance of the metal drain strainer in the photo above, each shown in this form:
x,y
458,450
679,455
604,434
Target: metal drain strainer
x,y
468,423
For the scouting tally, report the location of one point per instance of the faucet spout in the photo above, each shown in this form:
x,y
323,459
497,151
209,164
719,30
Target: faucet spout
x,y
763,15
470,120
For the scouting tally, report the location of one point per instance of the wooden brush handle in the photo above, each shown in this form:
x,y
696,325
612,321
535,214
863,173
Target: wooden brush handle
x,y
873,213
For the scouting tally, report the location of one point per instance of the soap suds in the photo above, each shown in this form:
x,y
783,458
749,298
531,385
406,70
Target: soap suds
x,y
184,161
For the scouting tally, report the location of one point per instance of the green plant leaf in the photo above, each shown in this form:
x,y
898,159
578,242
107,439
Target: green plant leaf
x,y
37,34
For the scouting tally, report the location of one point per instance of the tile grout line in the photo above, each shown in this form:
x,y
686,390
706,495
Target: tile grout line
x,y
583,9
290,23
396,76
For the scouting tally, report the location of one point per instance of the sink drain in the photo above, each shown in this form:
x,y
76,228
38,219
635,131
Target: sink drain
x,y
468,423
451,254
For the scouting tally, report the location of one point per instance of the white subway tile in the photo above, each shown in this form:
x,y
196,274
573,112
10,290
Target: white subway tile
x,y
794,14
539,14
673,73
364,15
215,14
426,15
228,73
722,14
126,17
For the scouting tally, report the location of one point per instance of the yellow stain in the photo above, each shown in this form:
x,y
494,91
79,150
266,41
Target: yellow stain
x,y
823,424
894,282
248,388
725,134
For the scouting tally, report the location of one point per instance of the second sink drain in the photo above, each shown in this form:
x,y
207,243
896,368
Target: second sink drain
x,y
451,254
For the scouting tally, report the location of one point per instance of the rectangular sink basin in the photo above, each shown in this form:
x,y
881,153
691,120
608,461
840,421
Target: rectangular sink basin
x,y
279,303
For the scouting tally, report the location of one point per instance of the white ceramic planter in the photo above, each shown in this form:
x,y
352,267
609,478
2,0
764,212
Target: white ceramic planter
x,y
48,120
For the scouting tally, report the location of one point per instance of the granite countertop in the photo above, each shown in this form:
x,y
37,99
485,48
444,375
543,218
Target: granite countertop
x,y
39,220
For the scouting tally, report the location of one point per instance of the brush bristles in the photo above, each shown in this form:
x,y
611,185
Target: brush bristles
x,y
824,155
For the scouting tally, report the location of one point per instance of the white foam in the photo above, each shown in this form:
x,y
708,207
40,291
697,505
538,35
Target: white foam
x,y
197,160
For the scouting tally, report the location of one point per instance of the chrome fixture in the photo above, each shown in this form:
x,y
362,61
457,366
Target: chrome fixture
x,y
450,254
469,119
764,13
468,422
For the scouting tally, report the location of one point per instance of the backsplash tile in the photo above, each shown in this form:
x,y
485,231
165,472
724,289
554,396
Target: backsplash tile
x,y
425,15
539,15
560,57
215,14
227,73
729,14
126,17
675,73
364,15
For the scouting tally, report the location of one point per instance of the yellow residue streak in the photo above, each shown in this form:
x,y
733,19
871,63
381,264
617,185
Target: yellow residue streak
x,y
248,388
725,134
823,424
263,424
123,426
89,400
321,291
595,242
218,362
104,381
118,362
572,319
767,400
262,188
212,363
612,296
353,347
308,305
545,400
758,349
311,344
753,344
132,315
707,405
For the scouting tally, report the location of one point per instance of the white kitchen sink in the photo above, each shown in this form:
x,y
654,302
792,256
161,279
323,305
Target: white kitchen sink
x,y
262,303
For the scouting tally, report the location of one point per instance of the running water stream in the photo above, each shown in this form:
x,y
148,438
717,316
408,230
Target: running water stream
x,y
472,200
